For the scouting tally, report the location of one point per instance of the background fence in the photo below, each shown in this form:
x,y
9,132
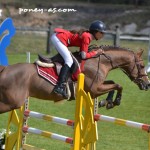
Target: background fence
x,y
116,35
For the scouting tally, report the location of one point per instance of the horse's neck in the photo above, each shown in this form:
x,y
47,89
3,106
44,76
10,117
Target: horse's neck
x,y
118,59
112,59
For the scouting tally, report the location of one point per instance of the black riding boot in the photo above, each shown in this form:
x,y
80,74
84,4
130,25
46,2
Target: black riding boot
x,y
60,88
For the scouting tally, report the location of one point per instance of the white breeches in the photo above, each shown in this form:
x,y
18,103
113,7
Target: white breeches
x,y
62,50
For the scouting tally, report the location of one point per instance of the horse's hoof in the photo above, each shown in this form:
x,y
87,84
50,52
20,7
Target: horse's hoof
x,y
102,103
109,105
117,102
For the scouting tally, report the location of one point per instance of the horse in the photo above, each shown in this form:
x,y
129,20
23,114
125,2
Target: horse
x,y
20,81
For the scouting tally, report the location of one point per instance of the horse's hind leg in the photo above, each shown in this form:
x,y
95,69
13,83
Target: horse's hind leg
x,y
10,104
4,107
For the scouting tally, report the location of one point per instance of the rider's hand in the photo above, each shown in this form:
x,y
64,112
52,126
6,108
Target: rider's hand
x,y
99,51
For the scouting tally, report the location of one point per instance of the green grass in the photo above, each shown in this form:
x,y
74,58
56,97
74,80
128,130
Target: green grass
x,y
135,105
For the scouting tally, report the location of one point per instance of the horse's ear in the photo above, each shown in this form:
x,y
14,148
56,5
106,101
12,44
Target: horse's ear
x,y
139,54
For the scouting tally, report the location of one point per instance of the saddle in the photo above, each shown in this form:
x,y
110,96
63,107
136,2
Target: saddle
x,y
55,63
58,61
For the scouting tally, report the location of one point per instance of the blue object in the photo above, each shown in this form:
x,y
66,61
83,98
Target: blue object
x,y
7,25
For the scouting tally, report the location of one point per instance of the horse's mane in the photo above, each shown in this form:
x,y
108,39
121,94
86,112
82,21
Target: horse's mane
x,y
105,48
110,47
91,48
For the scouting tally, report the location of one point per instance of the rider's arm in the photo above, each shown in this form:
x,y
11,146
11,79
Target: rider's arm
x,y
84,48
86,55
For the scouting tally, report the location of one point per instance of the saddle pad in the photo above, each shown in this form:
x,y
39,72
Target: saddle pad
x,y
49,74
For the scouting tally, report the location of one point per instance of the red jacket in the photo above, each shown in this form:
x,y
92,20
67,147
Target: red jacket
x,y
69,39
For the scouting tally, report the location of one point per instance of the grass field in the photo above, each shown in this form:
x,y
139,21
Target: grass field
x,y
135,105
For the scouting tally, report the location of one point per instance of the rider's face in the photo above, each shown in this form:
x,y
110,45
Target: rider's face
x,y
99,35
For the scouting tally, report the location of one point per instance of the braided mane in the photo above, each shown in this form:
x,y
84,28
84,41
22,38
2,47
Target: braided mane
x,y
107,48
110,47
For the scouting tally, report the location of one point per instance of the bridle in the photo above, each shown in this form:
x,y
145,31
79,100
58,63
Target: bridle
x,y
138,76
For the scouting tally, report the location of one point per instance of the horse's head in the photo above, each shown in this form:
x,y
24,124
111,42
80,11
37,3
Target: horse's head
x,y
137,73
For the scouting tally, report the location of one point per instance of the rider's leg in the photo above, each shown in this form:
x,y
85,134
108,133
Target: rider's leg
x,y
60,88
64,73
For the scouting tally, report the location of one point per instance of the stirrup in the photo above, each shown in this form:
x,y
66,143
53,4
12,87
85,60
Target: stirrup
x,y
60,90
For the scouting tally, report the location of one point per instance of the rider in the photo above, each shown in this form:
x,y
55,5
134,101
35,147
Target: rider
x,y
62,39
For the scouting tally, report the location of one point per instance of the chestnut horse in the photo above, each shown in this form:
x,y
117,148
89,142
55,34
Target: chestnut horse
x,y
20,81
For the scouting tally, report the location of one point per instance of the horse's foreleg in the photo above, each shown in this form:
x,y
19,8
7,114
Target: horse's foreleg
x,y
109,100
110,86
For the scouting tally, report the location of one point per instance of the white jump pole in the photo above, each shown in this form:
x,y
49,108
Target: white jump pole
x,y
123,122
48,134
33,114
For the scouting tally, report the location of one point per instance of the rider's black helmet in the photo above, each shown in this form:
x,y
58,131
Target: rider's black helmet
x,y
97,26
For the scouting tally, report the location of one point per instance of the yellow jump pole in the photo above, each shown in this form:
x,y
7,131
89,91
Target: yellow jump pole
x,y
77,127
16,118
85,128
13,140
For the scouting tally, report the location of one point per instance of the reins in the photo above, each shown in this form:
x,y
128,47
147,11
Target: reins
x,y
96,71
136,64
